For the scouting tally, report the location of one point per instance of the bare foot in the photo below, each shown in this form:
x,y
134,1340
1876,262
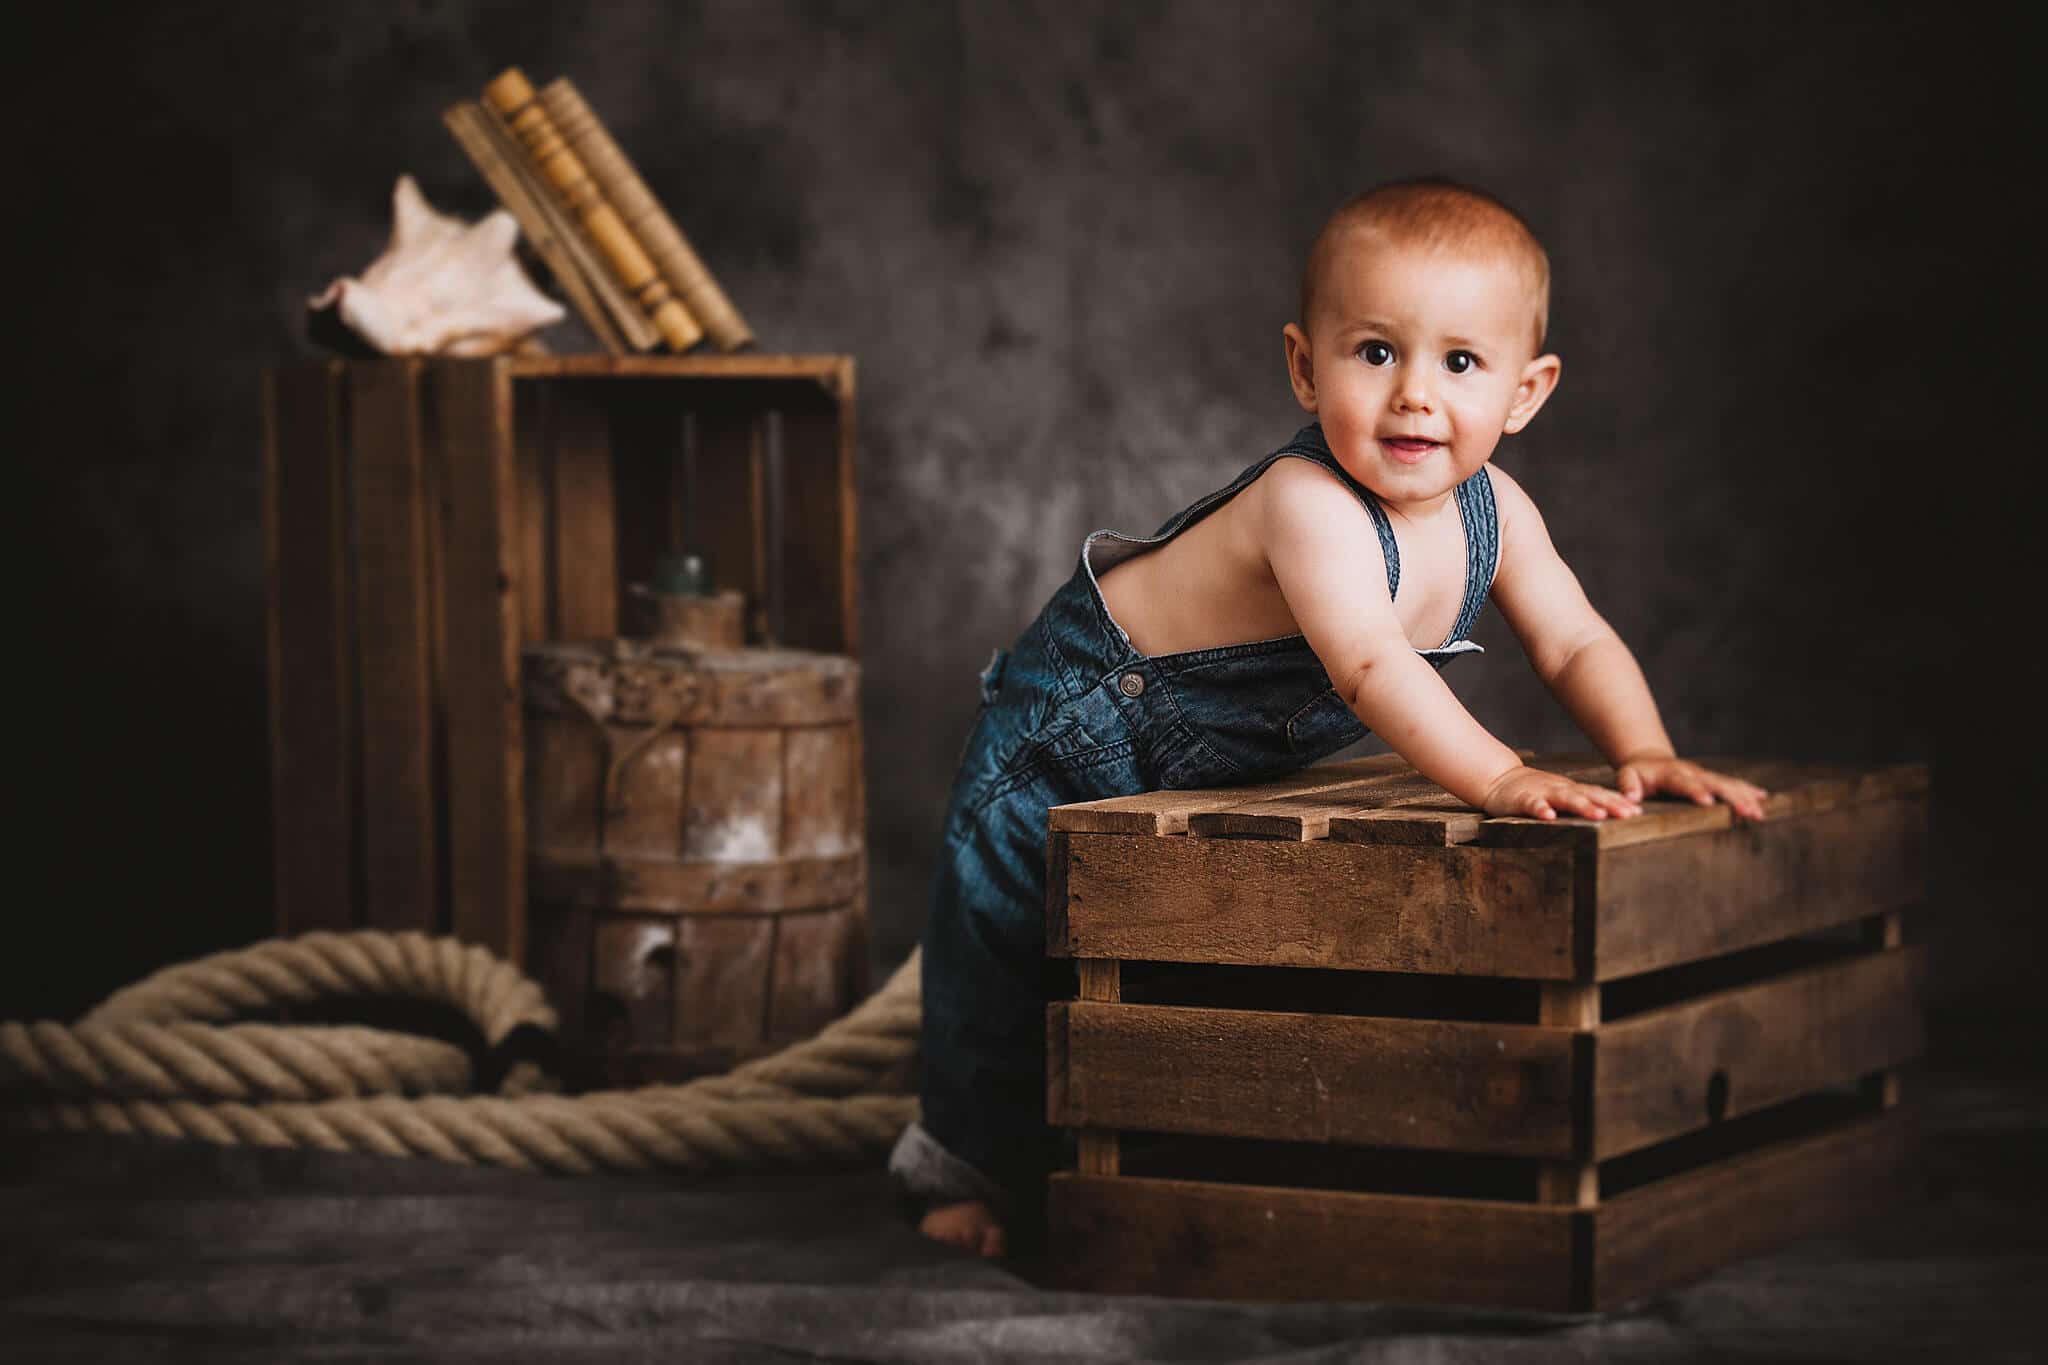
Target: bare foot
x,y
970,1225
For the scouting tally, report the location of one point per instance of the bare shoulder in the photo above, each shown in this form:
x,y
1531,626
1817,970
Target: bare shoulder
x,y
1294,495
1522,532
1511,500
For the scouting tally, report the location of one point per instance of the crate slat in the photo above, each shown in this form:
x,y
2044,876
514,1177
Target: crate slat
x,y
393,623
1429,1083
1121,1234
582,546
1321,904
1167,812
1681,1227
486,802
729,473
1307,816
1716,892
1796,1033
818,540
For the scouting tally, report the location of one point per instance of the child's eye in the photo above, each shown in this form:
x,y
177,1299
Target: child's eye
x,y
1457,362
1376,353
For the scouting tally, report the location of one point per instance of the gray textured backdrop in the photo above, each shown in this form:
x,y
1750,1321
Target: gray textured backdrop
x,y
1061,240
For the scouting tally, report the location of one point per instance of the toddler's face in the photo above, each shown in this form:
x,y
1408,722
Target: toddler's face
x,y
1417,361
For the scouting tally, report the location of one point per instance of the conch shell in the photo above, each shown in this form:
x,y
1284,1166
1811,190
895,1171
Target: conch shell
x,y
442,286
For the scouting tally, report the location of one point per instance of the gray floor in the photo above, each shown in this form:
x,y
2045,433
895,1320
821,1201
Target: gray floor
x,y
119,1251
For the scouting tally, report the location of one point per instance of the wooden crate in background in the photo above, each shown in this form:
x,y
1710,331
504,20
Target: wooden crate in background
x,y
1340,1037
425,519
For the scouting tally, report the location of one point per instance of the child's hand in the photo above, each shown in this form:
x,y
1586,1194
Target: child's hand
x,y
1641,777
1531,791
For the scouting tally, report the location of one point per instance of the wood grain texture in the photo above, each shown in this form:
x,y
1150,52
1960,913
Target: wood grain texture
x,y
583,551
472,402
821,781
532,456
1713,893
722,885
1307,815
1676,1229
1321,904
809,981
820,595
1167,812
1429,1083
722,991
1118,1234
732,811
312,725
1733,1052
393,620
565,764
645,818
731,523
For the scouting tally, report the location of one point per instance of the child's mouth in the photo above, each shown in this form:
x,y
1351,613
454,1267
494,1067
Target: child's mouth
x,y
1408,449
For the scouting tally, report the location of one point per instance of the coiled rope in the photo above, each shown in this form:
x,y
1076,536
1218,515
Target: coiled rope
x,y
163,1058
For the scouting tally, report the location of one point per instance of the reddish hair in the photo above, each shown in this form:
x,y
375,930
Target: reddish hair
x,y
1437,215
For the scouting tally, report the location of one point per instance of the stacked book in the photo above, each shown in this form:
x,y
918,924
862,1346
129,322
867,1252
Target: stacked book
x,y
620,259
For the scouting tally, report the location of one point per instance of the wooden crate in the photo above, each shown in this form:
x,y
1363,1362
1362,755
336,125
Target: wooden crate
x,y
426,519
1358,1041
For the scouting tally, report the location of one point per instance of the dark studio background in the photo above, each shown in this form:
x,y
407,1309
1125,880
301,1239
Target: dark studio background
x,y
1788,457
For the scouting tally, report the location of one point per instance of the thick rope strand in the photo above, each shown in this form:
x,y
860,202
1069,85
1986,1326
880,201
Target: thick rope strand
x,y
160,1058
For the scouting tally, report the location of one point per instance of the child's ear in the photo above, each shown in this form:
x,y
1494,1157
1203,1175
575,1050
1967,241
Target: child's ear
x,y
1301,365
1539,381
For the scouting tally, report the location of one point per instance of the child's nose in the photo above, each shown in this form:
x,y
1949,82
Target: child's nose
x,y
1412,394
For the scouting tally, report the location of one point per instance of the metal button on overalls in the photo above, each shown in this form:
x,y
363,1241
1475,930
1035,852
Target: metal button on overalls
x,y
1131,684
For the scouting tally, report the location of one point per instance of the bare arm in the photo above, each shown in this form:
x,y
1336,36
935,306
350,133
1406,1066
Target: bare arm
x,y
1587,667
1327,561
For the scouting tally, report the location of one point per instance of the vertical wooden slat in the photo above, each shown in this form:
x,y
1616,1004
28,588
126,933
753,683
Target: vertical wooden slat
x,y
486,815
1097,1152
647,821
311,734
585,549
722,979
733,806
392,626
532,450
1887,931
821,792
566,758
818,549
730,518
1574,1005
641,430
809,979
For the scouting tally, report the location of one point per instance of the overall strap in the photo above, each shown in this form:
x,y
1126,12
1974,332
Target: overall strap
x,y
1308,443
1481,518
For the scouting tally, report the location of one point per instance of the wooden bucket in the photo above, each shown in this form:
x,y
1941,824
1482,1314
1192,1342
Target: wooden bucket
x,y
696,859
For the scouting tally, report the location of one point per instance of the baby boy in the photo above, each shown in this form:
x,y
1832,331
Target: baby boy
x,y
1270,624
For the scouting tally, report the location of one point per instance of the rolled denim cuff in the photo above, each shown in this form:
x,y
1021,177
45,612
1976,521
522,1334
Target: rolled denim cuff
x,y
927,1175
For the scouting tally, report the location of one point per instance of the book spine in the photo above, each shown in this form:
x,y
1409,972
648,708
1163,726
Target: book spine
x,y
512,97
466,121
626,314
623,186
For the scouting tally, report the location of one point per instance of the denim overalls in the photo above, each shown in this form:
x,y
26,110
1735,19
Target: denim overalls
x,y
1071,712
